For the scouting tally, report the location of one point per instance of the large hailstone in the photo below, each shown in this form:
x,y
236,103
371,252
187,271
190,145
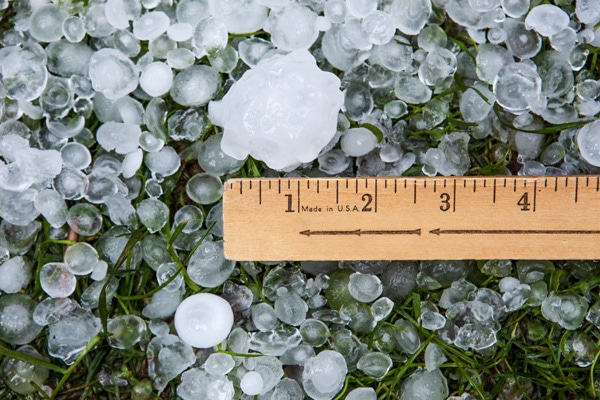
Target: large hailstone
x,y
283,111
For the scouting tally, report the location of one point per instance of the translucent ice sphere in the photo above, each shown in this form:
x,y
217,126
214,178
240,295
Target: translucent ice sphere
x,y
203,320
283,111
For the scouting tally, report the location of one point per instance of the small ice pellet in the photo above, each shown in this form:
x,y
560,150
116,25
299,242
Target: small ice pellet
x,y
56,280
204,188
507,284
357,142
81,258
180,58
156,79
45,23
73,29
180,32
100,269
75,155
251,383
151,25
203,320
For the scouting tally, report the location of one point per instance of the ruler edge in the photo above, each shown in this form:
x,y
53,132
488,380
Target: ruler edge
x,y
229,186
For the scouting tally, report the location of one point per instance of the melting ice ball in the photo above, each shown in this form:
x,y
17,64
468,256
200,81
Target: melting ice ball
x,y
203,320
283,111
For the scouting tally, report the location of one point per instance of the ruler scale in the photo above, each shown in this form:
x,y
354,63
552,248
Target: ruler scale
x,y
412,218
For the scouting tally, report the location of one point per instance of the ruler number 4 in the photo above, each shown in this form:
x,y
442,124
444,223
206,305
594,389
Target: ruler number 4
x,y
524,202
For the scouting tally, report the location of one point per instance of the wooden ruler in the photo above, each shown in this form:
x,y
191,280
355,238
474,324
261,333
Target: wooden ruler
x,y
412,218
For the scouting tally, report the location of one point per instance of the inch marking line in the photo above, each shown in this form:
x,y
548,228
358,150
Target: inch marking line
x,y
359,232
439,231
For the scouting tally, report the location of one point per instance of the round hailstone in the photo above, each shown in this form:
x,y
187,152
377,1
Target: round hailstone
x,y
357,142
547,19
81,258
151,25
113,74
180,32
203,320
252,383
56,280
588,140
195,86
45,23
156,79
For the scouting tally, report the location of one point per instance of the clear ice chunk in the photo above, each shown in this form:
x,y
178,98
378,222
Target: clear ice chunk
x,y
153,214
45,23
198,384
195,86
407,339
164,162
16,319
303,35
356,142
375,364
568,310
324,375
290,308
56,280
362,394
210,35
246,17
410,16
516,86
275,342
213,160
434,357
80,258
113,74
547,19
219,364
24,72
151,25
16,274
588,142
423,384
84,219
23,377
365,287
127,331
156,79
71,334
168,356
204,188
252,383
208,266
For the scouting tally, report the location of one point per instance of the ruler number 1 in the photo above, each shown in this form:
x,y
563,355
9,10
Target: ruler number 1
x,y
524,202
289,203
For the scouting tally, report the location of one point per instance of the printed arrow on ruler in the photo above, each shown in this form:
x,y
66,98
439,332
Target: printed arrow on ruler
x,y
359,232
439,231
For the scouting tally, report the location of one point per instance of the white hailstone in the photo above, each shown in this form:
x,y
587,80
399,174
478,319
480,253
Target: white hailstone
x,y
283,111
252,383
203,320
156,79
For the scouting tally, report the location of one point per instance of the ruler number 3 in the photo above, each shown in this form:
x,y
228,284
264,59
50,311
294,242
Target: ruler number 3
x,y
445,198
